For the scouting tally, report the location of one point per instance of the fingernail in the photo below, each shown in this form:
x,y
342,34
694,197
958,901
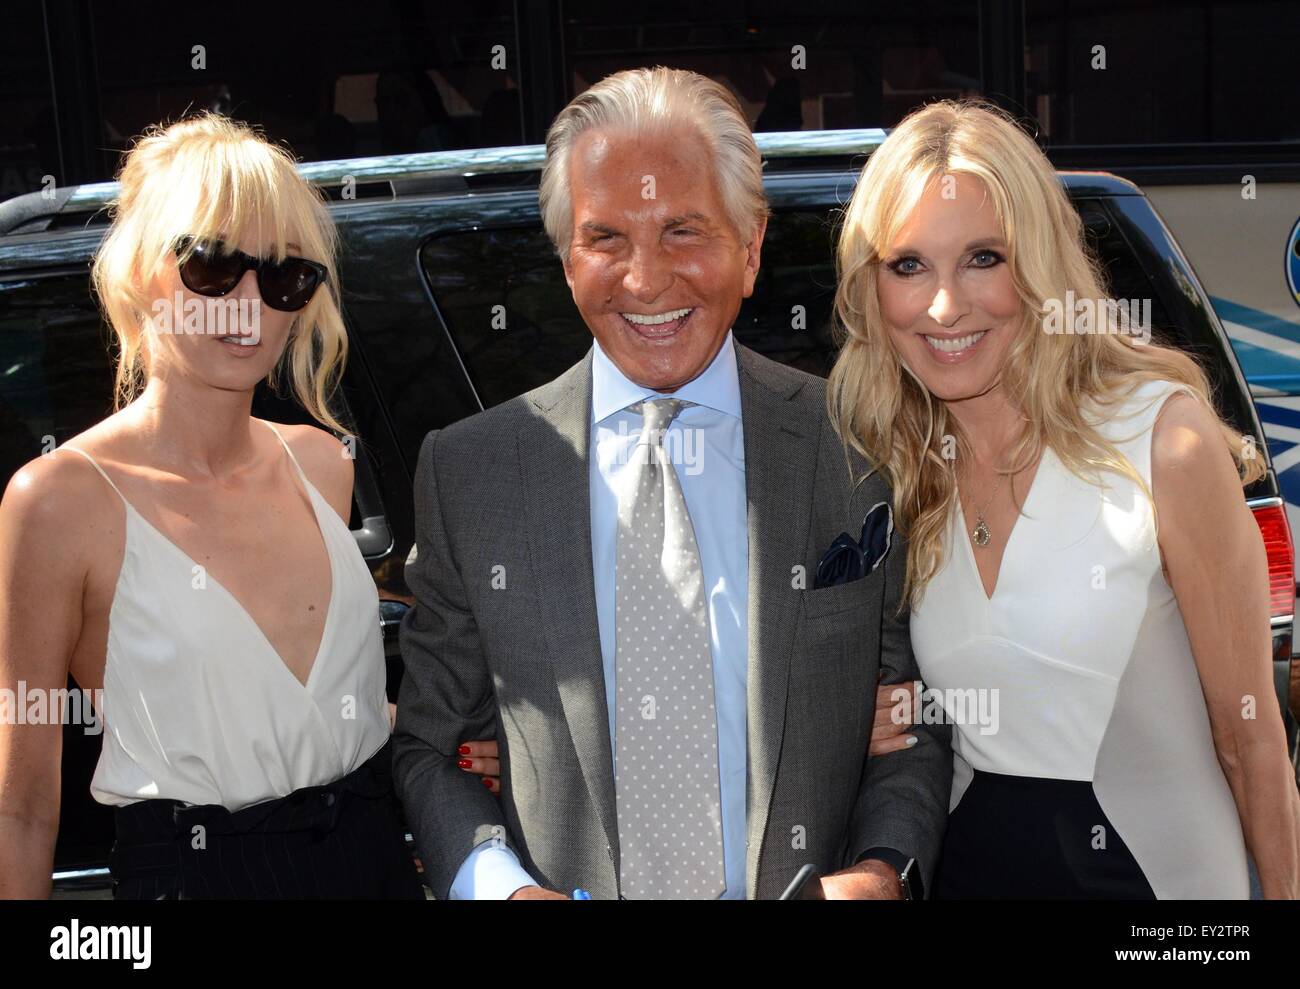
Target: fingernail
x,y
463,750
912,739
487,782
464,763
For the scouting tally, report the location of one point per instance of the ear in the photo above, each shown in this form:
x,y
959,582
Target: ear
x,y
753,255
566,262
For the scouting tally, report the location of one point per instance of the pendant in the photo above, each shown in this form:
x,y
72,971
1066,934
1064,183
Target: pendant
x,y
981,534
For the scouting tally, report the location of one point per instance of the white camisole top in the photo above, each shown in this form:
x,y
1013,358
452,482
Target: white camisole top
x,y
198,705
1086,647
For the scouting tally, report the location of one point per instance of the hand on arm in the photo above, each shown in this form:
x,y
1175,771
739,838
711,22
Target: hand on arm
x,y
890,732
480,758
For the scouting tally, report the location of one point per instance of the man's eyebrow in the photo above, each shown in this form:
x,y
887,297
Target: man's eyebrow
x,y
685,218
590,226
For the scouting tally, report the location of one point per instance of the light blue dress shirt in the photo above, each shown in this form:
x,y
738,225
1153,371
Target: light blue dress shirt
x,y
706,446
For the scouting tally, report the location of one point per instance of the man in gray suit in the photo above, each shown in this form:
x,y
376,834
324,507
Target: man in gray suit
x,y
614,575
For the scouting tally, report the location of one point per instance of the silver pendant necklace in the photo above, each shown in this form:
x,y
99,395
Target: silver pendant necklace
x,y
980,534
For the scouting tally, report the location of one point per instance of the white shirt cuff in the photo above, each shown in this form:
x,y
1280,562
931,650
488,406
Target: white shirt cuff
x,y
490,872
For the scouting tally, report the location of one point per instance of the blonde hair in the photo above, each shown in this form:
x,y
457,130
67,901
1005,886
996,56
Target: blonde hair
x,y
214,178
879,406
655,101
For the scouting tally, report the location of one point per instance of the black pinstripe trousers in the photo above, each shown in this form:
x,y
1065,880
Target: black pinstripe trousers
x,y
342,840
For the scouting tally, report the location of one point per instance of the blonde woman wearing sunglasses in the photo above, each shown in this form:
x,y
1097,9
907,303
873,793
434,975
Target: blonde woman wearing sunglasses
x,y
195,562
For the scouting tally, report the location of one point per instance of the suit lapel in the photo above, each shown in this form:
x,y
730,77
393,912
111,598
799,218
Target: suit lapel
x,y
553,458
781,439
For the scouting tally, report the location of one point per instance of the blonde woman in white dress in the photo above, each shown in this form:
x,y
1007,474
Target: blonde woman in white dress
x,y
195,562
1137,750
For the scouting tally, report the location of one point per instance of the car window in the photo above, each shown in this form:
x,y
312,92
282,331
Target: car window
x,y
1124,277
56,375
501,293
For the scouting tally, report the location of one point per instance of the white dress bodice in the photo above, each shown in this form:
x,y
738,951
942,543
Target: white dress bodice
x,y
1083,650
198,705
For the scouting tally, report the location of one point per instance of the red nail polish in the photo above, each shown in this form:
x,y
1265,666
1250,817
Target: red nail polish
x,y
464,763
463,750
487,782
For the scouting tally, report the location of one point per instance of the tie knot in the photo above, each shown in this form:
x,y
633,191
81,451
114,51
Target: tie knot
x,y
659,413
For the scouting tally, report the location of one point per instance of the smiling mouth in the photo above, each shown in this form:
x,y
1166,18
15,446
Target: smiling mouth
x,y
643,319
247,340
955,345
656,325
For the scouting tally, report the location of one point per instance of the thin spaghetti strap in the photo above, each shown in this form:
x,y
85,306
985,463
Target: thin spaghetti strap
x,y
301,472
94,463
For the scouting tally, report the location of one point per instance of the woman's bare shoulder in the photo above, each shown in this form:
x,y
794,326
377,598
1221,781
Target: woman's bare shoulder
x,y
1194,478
56,506
1186,438
326,460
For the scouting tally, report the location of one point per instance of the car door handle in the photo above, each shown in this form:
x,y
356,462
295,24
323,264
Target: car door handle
x,y
374,538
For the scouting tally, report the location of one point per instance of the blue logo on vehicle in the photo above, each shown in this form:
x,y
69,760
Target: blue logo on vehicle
x,y
1293,262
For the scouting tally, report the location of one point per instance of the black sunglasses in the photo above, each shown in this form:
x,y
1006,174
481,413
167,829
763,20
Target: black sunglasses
x,y
210,268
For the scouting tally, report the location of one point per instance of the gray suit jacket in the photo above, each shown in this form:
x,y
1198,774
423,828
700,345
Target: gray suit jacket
x,y
505,494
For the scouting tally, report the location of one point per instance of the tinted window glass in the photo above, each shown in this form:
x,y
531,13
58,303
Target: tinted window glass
x,y
332,80
1172,73
56,375
29,147
1124,276
812,66
502,294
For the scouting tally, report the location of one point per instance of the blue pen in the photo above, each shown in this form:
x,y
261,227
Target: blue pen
x,y
581,894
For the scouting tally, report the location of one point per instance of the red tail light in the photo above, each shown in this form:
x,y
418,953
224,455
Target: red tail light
x,y
1281,558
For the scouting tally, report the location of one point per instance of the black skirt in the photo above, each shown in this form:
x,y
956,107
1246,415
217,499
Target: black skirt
x,y
342,840
1025,838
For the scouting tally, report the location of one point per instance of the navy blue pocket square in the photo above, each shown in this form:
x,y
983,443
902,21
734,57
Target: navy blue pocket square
x,y
850,559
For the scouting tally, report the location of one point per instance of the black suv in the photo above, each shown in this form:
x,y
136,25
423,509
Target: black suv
x,y
455,302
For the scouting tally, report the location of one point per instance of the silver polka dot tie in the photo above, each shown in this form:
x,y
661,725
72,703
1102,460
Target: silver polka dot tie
x,y
666,728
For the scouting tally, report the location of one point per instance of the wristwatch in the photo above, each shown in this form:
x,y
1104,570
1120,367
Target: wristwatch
x,y
909,876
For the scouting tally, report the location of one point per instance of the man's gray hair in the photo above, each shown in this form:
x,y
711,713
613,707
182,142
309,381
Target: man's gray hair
x,y
657,100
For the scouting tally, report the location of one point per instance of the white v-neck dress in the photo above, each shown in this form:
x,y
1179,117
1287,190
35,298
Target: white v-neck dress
x,y
198,705
1084,644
